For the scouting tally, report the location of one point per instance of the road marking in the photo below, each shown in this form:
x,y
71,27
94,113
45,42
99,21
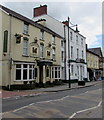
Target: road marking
x,y
86,110
6,97
72,115
23,107
54,100
86,92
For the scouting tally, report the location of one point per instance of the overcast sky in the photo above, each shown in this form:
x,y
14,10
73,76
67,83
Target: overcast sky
x,y
88,16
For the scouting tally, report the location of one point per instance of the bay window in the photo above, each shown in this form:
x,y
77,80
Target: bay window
x,y
24,72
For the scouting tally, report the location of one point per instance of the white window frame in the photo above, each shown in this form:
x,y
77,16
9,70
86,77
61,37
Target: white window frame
x,y
81,41
26,28
54,53
77,53
72,52
77,39
53,39
82,54
25,47
62,56
41,50
62,43
56,69
71,35
28,68
41,35
72,70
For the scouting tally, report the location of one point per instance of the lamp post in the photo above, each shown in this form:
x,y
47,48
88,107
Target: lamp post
x,y
69,47
69,54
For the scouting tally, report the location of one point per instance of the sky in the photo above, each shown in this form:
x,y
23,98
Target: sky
x,y
88,15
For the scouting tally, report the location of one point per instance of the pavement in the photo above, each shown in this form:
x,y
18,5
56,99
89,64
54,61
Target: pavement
x,y
8,94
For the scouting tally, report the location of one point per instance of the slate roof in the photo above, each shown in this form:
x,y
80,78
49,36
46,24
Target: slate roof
x,y
29,21
96,51
92,52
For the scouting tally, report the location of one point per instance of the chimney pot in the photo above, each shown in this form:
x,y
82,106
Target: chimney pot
x,y
42,10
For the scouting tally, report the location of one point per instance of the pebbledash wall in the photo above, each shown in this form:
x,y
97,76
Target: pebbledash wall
x,y
32,54
78,66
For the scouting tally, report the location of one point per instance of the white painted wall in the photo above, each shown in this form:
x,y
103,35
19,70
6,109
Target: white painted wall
x,y
58,27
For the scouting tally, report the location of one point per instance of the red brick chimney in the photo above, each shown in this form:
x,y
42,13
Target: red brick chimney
x,y
42,10
65,22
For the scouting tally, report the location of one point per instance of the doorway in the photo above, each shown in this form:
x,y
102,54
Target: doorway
x,y
41,74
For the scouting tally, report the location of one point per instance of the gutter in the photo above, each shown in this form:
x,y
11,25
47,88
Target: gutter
x,y
10,56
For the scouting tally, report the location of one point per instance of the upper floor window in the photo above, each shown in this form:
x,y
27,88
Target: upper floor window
x,y
72,70
53,53
5,41
41,50
82,54
77,53
71,36
62,55
62,43
81,41
53,39
76,38
26,28
42,35
25,46
71,51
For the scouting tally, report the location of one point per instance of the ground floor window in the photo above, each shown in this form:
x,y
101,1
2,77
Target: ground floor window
x,y
24,71
56,72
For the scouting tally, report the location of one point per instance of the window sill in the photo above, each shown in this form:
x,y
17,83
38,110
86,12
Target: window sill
x,y
53,44
23,80
41,39
26,34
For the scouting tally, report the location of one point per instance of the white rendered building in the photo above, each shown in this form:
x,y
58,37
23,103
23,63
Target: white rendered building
x,y
77,45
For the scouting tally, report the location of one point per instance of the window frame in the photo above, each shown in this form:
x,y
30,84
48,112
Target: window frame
x,y
41,50
77,39
71,35
54,53
77,53
5,44
56,70
41,34
26,28
25,46
53,39
28,71
72,52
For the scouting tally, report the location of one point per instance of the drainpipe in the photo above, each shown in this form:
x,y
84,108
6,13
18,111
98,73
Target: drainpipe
x,y
10,58
65,50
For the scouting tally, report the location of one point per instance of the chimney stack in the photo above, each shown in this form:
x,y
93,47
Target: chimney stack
x,y
42,10
65,22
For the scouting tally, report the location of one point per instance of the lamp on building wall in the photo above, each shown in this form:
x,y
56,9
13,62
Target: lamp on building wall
x,y
69,46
